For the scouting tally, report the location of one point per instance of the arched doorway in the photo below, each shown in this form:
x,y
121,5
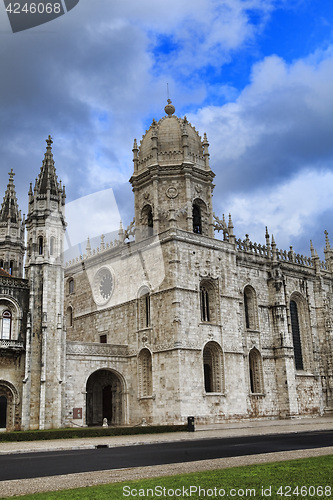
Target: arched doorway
x,y
9,406
3,412
104,398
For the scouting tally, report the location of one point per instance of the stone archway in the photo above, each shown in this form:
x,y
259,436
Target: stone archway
x,y
105,394
9,403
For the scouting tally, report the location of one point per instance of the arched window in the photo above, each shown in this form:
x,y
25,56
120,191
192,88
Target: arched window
x,y
147,219
69,316
256,377
197,223
250,308
208,302
150,222
1,264
145,373
296,333
213,367
6,325
11,267
40,245
70,286
144,309
205,307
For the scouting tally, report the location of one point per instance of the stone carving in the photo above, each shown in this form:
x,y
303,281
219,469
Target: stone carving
x,y
130,230
92,349
11,344
172,192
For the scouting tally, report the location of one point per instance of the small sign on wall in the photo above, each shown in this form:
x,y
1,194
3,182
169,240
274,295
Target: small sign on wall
x,y
77,413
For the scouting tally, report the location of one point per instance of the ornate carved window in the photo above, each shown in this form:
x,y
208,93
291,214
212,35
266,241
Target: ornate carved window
x,y
40,245
296,333
256,377
147,219
197,222
144,309
145,373
150,222
205,307
6,325
71,286
208,302
213,368
250,308
69,316
200,217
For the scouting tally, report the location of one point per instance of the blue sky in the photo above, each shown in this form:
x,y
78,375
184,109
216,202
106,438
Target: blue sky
x,y
256,75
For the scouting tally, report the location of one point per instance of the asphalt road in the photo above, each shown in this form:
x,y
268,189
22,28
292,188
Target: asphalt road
x,y
53,463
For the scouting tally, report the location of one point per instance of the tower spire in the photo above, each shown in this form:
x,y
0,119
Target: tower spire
x,y
9,208
12,234
46,207
45,224
47,181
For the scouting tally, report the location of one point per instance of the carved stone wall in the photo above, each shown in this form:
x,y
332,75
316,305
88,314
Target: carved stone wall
x,y
177,336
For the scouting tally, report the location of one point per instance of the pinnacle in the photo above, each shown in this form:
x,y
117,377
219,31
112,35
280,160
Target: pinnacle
x,y
47,180
327,241
9,209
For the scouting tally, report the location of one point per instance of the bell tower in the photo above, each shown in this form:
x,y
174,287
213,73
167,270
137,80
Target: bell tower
x,y
172,180
46,226
11,232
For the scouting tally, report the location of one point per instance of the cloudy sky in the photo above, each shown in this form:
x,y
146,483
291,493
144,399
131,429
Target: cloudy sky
x,y
256,75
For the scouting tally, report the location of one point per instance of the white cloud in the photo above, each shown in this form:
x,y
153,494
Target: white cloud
x,y
207,32
281,121
272,148
91,216
287,209
102,58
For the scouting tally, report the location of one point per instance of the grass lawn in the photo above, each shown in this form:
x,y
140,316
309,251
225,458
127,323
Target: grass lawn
x,y
310,478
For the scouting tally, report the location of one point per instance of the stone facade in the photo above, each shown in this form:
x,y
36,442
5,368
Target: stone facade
x,y
14,302
167,321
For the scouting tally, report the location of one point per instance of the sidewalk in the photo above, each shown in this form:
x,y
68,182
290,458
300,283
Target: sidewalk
x,y
243,428
69,481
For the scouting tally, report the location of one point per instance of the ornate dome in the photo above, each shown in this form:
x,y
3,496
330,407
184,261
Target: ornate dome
x,y
171,140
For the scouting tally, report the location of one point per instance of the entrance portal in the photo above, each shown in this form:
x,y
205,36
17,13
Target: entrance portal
x,y
3,412
104,398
